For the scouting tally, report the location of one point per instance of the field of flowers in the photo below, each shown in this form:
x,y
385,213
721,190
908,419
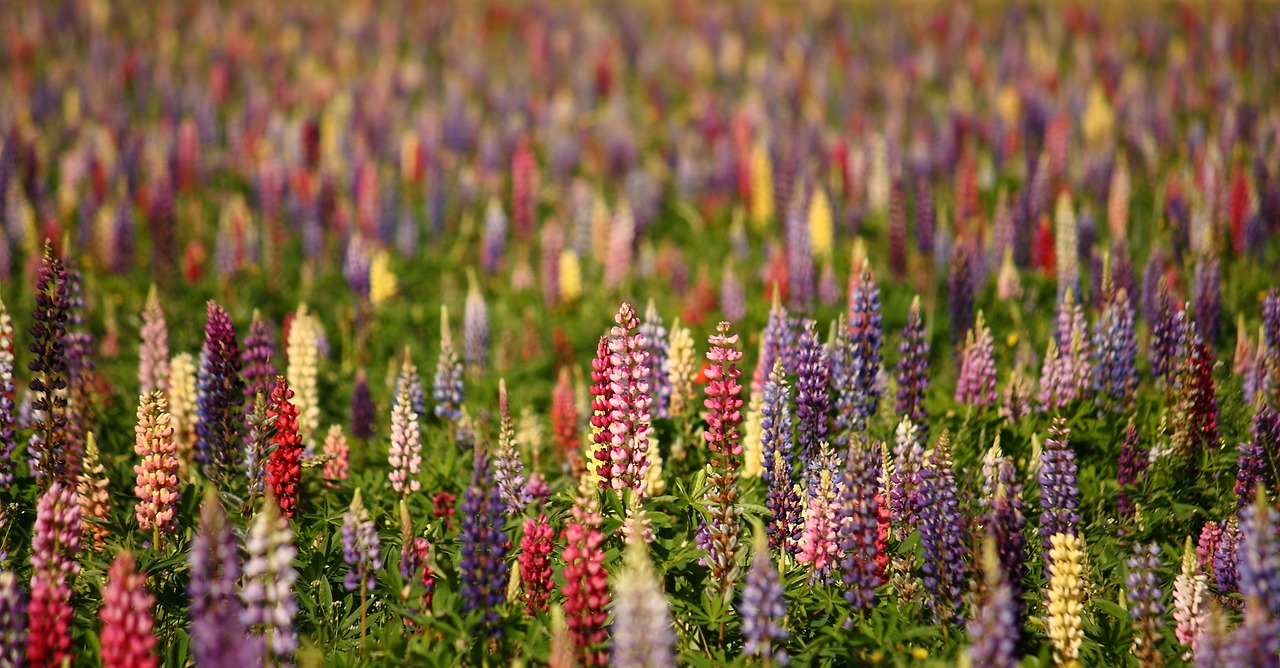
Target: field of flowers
x,y
638,334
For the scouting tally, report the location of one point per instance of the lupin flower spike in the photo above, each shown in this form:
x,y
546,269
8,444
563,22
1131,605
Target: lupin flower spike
x,y
259,349
447,385
303,352
8,418
764,608
127,639
153,354
960,289
992,627
623,442
1190,602
481,568
95,500
1115,354
1259,560
362,408
183,395
725,443
49,370
905,498
284,467
976,385
866,334
13,620
785,522
643,636
657,345
405,453
336,448
475,328
943,537
681,368
219,399
1145,607
1207,289
586,593
508,470
819,544
860,540
1059,491
1065,597
913,368
535,564
812,392
361,547
218,634
267,592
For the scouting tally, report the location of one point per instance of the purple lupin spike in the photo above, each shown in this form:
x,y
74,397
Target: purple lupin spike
x,y
778,457
960,291
481,569
1059,491
218,635
259,349
219,398
943,538
1115,354
1207,292
913,368
859,530
813,399
800,272
1133,467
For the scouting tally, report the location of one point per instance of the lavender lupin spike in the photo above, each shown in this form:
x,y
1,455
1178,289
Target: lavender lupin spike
x,y
218,635
1115,354
656,344
943,537
763,608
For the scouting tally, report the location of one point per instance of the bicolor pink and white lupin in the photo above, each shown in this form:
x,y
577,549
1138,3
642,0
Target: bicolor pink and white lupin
x,y
405,455
623,456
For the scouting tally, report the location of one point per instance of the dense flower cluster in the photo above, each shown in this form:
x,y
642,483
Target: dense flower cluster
x,y
913,367
269,576
1065,574
405,453
447,384
1142,589
153,353
862,570
49,371
535,564
586,592
219,396
303,350
127,639
508,470
725,549
1059,490
218,634
622,438
643,636
813,400
481,568
361,547
284,467
259,349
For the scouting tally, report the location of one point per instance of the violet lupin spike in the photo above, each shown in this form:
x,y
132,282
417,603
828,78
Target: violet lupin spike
x,y
776,343
943,537
1059,491
812,392
49,371
799,256
904,480
1145,607
219,397
78,346
218,635
866,336
259,349
1207,292
1258,558
657,346
643,636
778,459
1168,329
976,385
763,608
495,236
447,385
993,626
508,470
362,408
913,368
960,291
1132,468
1115,354
13,620
481,567
859,530
153,354
1005,523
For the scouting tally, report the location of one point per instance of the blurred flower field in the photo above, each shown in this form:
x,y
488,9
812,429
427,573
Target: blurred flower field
x,y
558,333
